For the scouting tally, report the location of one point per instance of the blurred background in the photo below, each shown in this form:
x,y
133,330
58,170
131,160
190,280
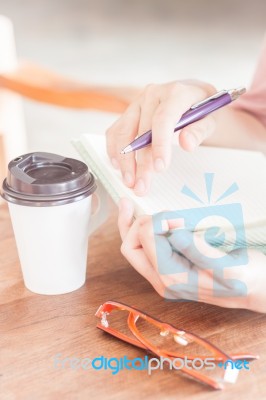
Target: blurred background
x,y
120,42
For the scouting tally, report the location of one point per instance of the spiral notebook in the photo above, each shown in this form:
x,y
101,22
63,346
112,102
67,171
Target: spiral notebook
x,y
202,180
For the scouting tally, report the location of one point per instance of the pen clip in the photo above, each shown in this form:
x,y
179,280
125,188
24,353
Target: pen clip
x,y
215,96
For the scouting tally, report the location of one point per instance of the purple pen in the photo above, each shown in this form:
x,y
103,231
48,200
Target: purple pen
x,y
195,113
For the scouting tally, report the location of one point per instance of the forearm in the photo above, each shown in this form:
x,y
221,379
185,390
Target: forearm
x,y
237,129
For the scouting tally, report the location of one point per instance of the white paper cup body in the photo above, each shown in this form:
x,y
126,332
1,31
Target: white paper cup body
x,y
52,245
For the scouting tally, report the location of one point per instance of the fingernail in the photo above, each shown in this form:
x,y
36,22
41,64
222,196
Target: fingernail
x,y
128,178
140,186
159,165
193,141
115,163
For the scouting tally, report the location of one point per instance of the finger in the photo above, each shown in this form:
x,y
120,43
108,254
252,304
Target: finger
x,y
127,133
193,135
163,125
178,279
111,134
125,216
200,285
174,101
140,262
144,172
131,240
195,248
210,261
182,287
119,135
142,257
160,252
132,250
144,164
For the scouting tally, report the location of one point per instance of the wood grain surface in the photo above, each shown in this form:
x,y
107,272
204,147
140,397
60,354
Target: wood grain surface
x,y
35,328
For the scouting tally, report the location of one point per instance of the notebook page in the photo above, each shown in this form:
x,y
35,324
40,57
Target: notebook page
x,y
245,169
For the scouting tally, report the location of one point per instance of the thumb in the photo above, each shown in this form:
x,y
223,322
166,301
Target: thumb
x,y
125,216
193,135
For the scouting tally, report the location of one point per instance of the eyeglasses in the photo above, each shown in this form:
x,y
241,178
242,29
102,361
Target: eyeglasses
x,y
164,340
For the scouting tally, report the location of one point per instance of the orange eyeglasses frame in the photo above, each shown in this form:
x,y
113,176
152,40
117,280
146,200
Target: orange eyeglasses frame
x,y
143,343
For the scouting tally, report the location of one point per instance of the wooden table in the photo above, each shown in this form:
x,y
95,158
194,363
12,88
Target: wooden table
x,y
35,328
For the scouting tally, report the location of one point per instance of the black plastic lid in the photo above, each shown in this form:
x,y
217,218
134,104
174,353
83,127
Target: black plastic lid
x,y
45,179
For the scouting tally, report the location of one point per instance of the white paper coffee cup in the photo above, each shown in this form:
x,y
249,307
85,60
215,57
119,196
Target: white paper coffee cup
x,y
49,198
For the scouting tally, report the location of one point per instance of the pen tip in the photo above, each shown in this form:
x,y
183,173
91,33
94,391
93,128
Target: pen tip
x,y
126,150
